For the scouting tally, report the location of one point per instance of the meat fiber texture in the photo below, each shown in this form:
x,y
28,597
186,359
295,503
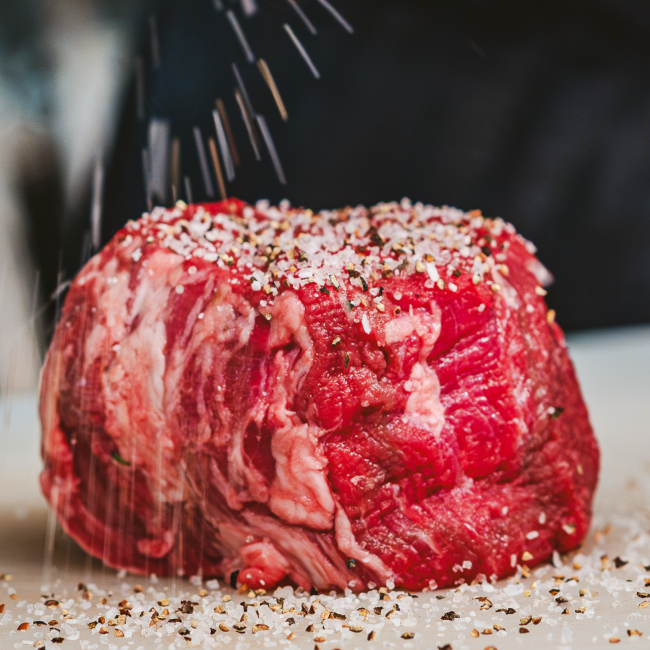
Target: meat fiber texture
x,y
335,400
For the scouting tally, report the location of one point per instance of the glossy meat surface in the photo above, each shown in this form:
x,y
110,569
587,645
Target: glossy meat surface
x,y
337,400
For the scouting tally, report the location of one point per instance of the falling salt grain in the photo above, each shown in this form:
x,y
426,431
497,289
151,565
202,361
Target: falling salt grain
x,y
180,289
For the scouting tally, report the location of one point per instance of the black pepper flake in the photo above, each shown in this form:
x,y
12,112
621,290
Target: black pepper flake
x,y
309,628
560,599
291,621
447,646
313,591
557,411
349,306
325,290
408,635
302,256
554,592
619,563
524,630
351,564
354,274
381,292
486,250
58,639
440,597
233,579
642,594
378,610
115,456
456,273
183,631
375,237
186,608
449,616
384,597
346,360
364,284
212,631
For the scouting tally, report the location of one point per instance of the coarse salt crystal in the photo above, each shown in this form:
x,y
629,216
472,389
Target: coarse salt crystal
x,y
365,323
432,271
533,534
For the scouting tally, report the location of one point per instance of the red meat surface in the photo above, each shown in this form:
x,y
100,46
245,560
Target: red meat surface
x,y
333,399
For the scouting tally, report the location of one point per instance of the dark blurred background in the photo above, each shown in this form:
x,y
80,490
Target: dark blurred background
x,y
538,112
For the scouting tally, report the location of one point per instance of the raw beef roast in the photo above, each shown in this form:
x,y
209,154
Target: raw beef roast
x,y
333,399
